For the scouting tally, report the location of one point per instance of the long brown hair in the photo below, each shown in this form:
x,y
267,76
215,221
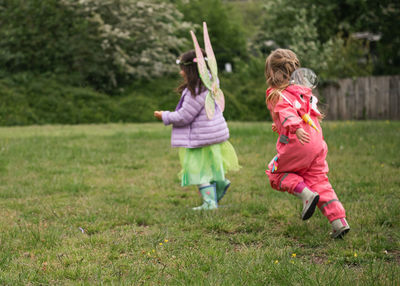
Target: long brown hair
x,y
279,66
192,79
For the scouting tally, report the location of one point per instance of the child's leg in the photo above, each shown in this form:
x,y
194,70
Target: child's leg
x,y
316,178
329,204
294,184
284,182
309,197
339,228
209,195
222,187
331,207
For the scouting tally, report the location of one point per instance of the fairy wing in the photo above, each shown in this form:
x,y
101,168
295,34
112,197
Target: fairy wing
x,y
215,95
201,64
219,99
212,62
209,106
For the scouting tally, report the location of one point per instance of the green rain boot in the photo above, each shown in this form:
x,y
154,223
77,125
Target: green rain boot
x,y
222,187
209,195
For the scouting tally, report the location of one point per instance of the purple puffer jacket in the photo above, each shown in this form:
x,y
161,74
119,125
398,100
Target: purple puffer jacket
x,y
191,127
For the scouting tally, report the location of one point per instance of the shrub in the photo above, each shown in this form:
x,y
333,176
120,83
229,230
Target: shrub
x,y
27,99
103,43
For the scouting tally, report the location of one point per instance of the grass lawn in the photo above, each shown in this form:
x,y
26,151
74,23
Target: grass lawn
x,y
95,204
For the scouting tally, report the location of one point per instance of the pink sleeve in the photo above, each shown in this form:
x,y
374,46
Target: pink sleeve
x,y
288,116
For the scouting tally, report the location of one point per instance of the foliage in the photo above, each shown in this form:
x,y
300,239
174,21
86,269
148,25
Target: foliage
x,y
245,91
103,43
28,99
101,204
345,58
42,36
323,22
382,18
141,99
224,26
249,14
138,38
300,33
373,18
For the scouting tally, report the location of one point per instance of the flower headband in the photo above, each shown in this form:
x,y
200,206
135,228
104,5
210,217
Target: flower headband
x,y
179,62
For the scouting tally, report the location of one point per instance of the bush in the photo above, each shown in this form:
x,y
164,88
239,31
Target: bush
x,y
224,26
28,99
141,99
102,43
245,91
294,25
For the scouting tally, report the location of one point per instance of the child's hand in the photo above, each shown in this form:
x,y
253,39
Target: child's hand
x,y
158,114
273,127
303,136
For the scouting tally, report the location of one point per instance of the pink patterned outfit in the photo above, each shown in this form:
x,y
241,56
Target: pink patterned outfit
x,y
301,164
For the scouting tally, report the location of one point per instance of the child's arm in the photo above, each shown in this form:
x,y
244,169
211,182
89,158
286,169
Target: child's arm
x,y
158,114
303,136
288,116
291,120
187,113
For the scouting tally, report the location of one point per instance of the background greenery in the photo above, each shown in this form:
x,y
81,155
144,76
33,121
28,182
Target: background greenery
x,y
93,204
65,61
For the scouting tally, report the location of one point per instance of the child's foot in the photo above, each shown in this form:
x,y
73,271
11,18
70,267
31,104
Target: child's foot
x,y
339,228
310,200
222,187
209,195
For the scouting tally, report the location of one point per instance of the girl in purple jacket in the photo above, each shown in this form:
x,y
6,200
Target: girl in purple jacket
x,y
205,152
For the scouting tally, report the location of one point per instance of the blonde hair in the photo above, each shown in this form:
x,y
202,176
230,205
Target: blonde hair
x,y
279,66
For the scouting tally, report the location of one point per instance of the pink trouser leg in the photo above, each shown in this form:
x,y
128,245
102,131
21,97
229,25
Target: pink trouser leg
x,y
315,177
328,203
284,182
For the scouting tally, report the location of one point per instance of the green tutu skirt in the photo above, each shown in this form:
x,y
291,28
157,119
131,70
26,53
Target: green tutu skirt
x,y
206,164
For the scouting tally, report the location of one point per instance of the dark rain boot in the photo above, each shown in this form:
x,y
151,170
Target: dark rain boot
x,y
222,187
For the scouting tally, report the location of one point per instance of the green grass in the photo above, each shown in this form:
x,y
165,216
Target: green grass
x,y
118,183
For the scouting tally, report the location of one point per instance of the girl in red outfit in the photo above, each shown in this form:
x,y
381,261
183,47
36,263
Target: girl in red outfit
x,y
299,168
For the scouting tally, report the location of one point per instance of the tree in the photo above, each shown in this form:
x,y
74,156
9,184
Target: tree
x,y
226,33
294,25
103,43
378,21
